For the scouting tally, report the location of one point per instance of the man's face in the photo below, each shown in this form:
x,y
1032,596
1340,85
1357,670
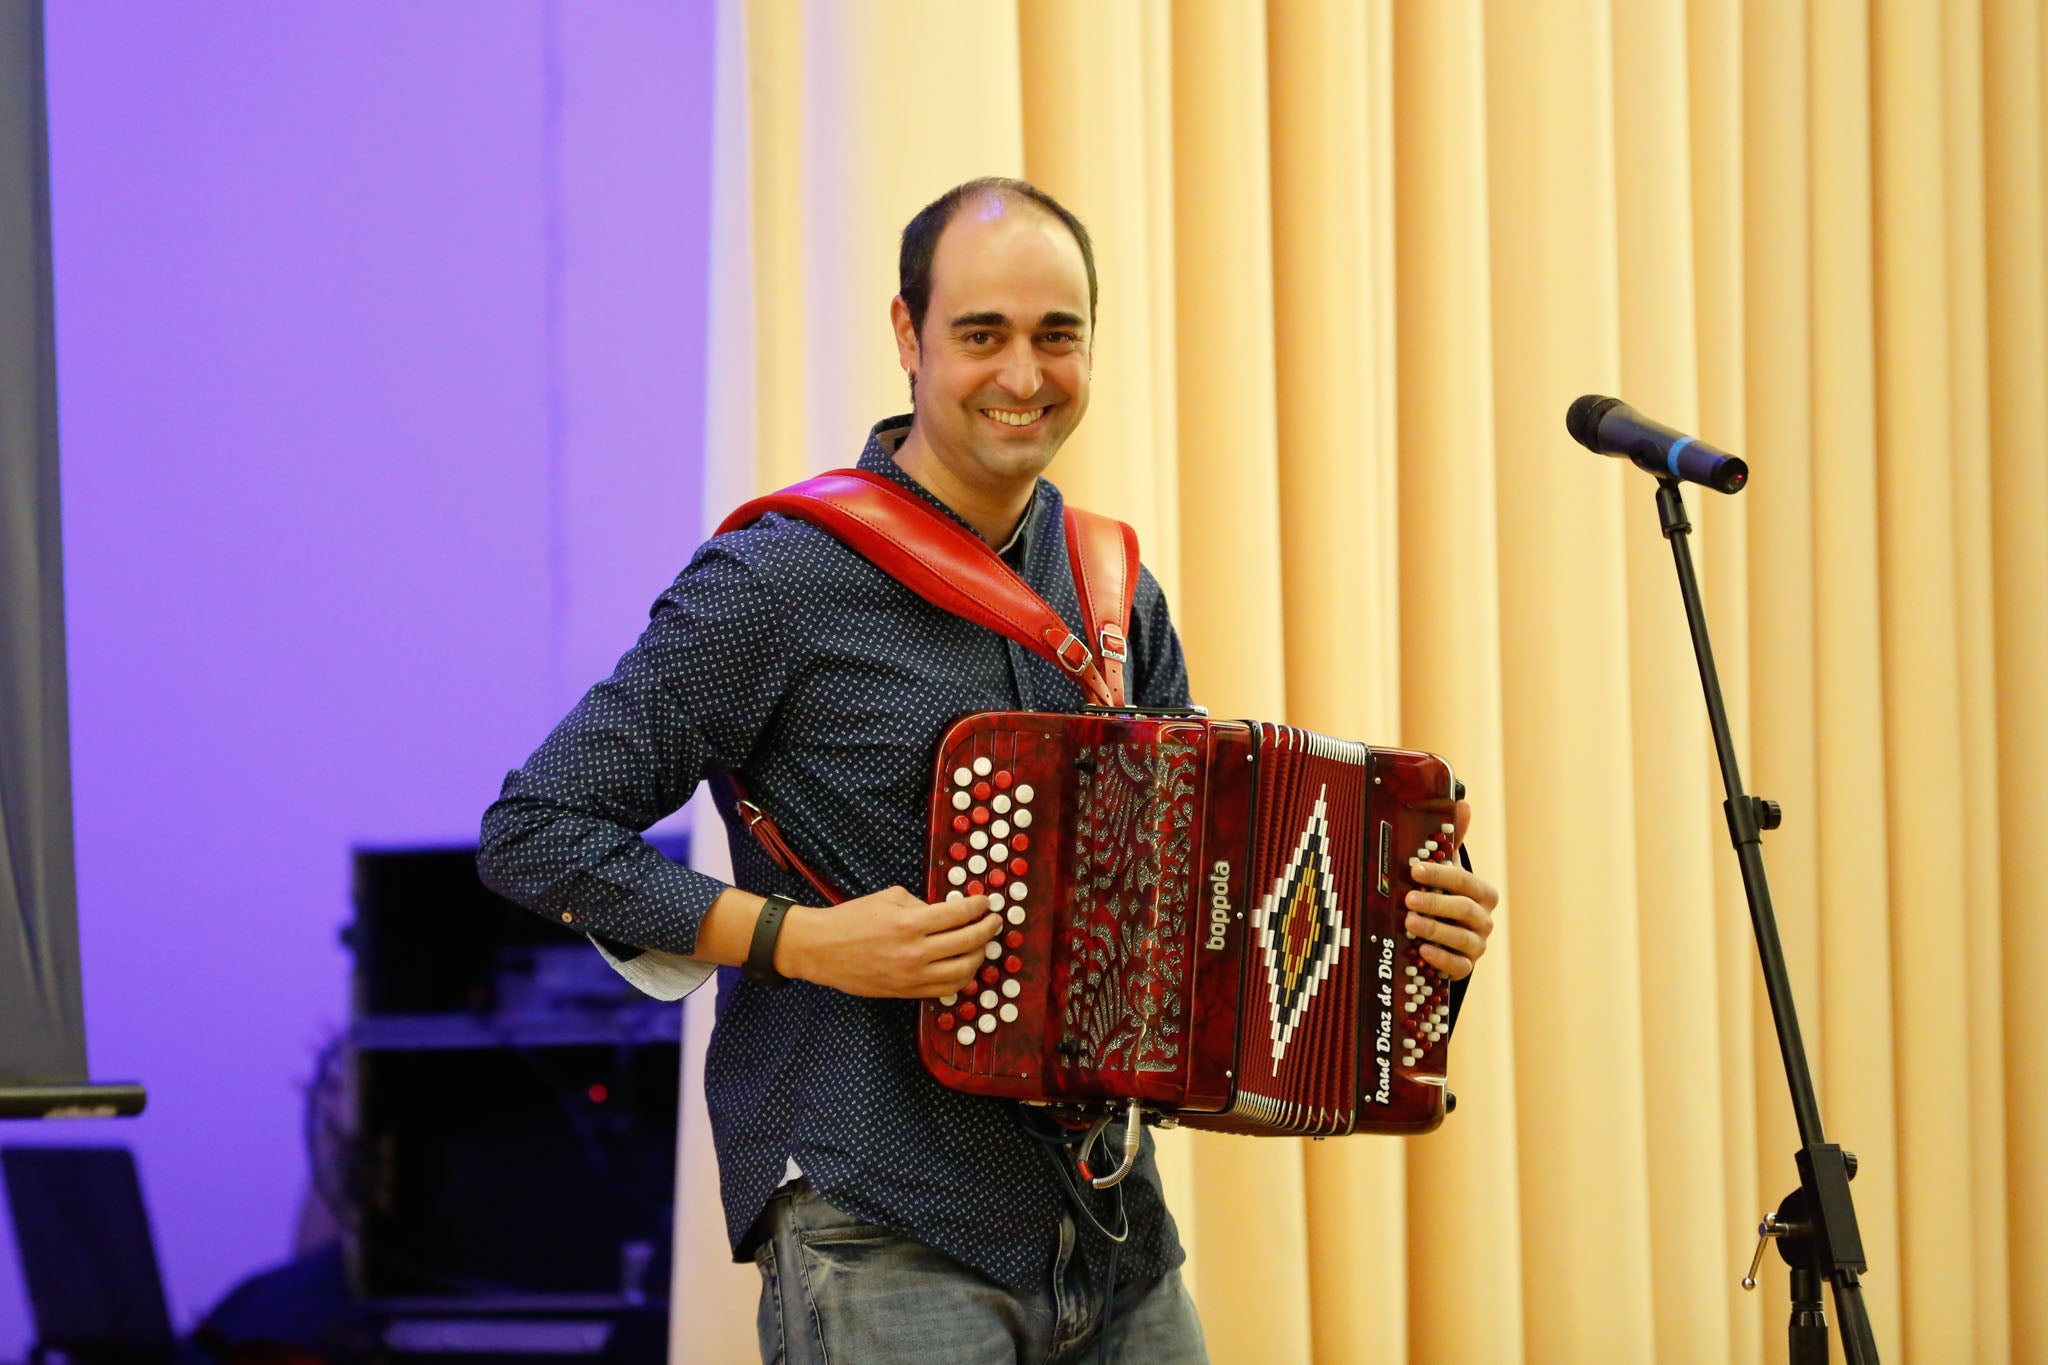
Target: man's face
x,y
1002,365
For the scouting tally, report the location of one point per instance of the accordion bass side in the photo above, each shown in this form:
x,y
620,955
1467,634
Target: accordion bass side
x,y
1203,918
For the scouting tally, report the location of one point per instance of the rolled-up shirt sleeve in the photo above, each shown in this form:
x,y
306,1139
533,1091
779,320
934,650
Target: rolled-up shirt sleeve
x,y
690,697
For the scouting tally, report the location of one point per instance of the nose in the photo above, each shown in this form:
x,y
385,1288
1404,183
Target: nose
x,y
1020,376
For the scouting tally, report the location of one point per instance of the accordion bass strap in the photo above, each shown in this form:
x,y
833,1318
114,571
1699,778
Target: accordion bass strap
x,y
952,568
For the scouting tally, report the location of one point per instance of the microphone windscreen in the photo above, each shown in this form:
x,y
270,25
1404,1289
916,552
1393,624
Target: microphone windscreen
x,y
1582,420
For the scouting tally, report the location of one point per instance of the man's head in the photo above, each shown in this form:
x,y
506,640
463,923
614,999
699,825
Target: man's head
x,y
994,322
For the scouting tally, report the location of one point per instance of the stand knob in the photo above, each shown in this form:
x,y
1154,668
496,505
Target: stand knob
x,y
1769,814
1765,1230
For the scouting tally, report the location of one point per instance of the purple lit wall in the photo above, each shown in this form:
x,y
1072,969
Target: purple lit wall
x,y
381,348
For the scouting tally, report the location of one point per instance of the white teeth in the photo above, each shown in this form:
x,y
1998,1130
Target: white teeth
x,y
1015,419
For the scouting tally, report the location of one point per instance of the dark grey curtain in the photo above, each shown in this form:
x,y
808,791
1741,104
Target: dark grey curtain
x,y
42,1025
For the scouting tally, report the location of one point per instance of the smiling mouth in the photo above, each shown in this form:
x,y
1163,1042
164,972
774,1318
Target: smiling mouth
x,y
1015,417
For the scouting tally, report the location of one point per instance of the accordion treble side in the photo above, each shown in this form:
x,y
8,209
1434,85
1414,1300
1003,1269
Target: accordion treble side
x,y
1202,916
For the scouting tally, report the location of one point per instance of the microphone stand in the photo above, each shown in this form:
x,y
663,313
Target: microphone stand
x,y
1815,1225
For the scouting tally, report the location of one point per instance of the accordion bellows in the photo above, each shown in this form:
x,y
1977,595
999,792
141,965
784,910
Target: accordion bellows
x,y
1203,916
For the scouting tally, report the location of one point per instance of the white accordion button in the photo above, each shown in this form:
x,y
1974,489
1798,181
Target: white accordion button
x,y
949,999
1008,1012
986,1023
1409,1007
1023,819
977,840
956,875
995,900
1010,988
982,767
993,949
1448,828
961,800
1016,914
1018,891
999,853
987,1000
965,1036
1000,829
1000,804
1024,793
977,864
956,894
961,777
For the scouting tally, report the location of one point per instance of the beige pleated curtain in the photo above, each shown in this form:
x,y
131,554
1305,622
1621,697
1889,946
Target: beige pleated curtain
x,y
1356,260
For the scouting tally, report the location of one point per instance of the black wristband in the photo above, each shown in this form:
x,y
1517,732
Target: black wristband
x,y
761,953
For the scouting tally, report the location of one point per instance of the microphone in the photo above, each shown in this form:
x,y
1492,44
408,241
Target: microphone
x,y
1608,426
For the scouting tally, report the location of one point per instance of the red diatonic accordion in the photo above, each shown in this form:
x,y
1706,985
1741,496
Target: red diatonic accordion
x,y
1204,917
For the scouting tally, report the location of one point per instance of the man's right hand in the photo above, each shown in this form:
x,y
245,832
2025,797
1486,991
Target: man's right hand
x,y
889,945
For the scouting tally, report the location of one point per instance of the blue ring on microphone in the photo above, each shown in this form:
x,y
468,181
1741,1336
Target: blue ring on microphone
x,y
1671,455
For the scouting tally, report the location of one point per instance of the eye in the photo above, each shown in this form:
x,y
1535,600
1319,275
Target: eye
x,y
980,338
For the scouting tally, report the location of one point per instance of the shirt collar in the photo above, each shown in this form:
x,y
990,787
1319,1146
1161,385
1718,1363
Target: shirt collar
x,y
879,457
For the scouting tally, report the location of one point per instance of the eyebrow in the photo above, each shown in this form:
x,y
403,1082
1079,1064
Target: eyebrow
x,y
993,319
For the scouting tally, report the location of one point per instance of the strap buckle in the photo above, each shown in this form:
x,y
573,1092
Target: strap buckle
x,y
762,827
1113,644
1073,654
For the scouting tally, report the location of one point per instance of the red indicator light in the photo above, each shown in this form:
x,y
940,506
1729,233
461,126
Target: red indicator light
x,y
598,1094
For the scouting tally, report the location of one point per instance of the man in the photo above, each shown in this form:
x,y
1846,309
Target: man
x,y
892,1219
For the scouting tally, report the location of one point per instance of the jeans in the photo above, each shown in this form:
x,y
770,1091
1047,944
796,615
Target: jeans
x,y
834,1289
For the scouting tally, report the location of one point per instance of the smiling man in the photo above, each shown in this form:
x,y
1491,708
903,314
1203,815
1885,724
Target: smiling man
x,y
892,1219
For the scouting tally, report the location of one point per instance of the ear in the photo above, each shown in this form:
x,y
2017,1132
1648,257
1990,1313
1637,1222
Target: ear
x,y
906,335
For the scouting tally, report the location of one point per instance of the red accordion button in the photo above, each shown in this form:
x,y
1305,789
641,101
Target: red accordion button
x,y
976,889
961,824
1014,939
1018,867
982,791
968,1009
1013,964
996,876
981,815
989,974
1003,780
958,853
1020,841
945,1023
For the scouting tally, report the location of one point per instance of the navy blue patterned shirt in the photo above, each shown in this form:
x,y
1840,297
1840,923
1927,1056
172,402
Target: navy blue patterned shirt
x,y
783,656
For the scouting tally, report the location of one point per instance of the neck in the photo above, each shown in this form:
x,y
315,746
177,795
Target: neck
x,y
991,506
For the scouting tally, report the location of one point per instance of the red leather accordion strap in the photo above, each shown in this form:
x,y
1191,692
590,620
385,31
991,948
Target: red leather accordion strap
x,y
954,569
944,563
1104,554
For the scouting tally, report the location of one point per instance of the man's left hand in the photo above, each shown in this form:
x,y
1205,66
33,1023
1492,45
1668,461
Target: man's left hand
x,y
1455,916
